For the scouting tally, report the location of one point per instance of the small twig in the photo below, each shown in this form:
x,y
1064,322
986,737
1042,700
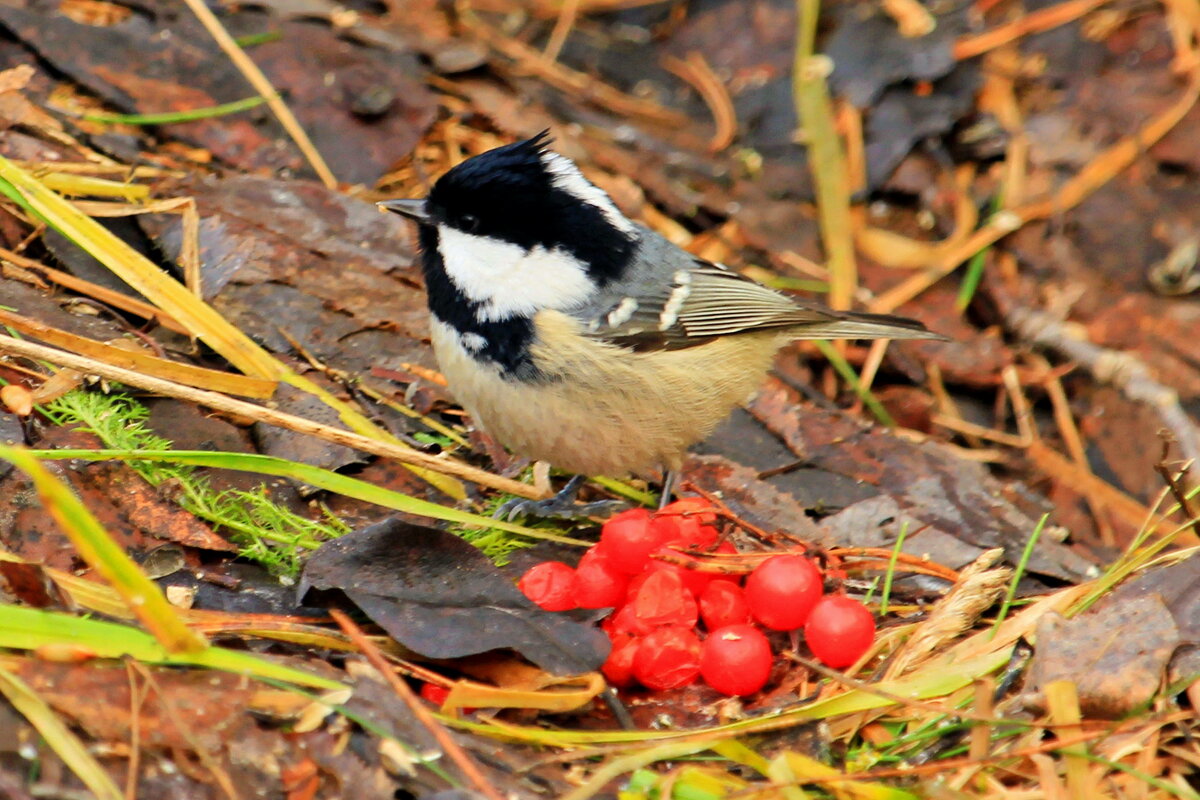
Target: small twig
x,y
263,86
561,77
103,294
1033,22
270,416
1120,369
1103,168
562,29
912,18
1175,484
725,511
696,71
405,692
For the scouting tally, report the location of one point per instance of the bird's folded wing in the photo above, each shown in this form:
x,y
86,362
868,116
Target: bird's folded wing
x,y
707,301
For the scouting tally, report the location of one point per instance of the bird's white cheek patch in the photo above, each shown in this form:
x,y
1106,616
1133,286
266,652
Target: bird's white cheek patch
x,y
509,280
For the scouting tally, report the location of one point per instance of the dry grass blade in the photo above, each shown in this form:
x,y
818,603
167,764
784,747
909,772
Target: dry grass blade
x,y
269,416
825,159
33,272
59,737
1098,172
696,70
263,86
143,275
563,78
448,744
978,588
145,363
144,598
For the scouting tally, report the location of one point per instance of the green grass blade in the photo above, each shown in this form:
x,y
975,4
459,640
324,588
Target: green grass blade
x,y
97,548
313,476
59,737
169,117
30,628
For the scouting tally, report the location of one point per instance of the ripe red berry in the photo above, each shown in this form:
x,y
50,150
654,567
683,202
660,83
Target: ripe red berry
x,y
628,539
434,693
662,599
597,583
723,603
550,584
618,667
782,590
625,621
688,523
667,658
736,659
839,630
695,580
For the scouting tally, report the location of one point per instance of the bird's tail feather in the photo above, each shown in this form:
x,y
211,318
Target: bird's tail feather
x,y
858,325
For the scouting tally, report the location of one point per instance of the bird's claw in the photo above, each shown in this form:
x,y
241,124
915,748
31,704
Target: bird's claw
x,y
561,506
554,508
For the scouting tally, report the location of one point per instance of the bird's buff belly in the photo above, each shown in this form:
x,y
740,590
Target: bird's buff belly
x,y
596,415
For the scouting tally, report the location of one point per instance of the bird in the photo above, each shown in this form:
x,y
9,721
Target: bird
x,y
577,336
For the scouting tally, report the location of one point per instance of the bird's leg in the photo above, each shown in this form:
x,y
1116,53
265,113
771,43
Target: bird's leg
x,y
562,505
670,477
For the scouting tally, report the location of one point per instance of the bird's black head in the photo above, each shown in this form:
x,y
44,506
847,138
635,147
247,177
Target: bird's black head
x,y
527,195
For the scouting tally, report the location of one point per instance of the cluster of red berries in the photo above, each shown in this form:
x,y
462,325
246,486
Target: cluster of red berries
x,y
658,605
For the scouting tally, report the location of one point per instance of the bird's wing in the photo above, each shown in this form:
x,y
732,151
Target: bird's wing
x,y
704,301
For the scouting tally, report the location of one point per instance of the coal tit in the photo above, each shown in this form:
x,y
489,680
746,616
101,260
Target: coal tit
x,y
579,337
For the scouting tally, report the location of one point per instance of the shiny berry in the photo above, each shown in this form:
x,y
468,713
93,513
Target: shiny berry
x,y
839,630
688,523
434,693
618,667
667,658
628,539
625,621
736,660
723,603
551,585
662,599
597,583
782,590
695,580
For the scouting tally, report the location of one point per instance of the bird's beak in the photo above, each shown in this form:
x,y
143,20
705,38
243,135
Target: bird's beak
x,y
413,209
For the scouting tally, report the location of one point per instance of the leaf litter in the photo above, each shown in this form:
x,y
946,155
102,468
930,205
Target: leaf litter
x,y
1052,146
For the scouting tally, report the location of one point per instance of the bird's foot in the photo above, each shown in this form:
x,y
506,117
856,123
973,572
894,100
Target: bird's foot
x,y
561,506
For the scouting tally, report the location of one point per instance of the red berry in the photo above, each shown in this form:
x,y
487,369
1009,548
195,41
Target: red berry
x,y
662,599
695,580
782,590
625,621
550,584
736,659
597,583
667,658
689,522
839,630
628,539
723,603
618,667
434,693
725,548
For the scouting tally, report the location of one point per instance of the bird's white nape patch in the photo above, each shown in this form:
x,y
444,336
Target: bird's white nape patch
x,y
566,176
508,280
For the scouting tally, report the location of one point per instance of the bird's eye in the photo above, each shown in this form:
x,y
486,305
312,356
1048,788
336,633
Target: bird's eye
x,y
469,223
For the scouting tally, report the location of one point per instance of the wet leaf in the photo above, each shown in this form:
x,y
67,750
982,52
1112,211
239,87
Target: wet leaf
x,y
442,598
